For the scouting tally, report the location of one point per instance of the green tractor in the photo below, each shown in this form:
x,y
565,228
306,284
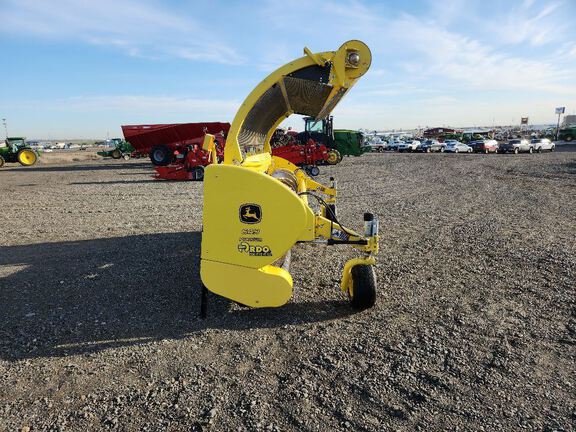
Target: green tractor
x,y
15,149
122,149
341,142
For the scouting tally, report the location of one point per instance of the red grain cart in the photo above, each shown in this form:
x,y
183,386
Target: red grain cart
x,y
164,142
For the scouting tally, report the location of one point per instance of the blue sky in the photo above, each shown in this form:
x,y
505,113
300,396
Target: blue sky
x,y
80,69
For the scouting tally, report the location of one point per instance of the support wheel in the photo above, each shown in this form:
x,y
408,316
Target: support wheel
x,y
126,156
362,289
116,154
314,171
26,157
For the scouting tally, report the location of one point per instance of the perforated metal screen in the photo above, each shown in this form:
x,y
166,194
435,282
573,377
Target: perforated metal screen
x,y
306,92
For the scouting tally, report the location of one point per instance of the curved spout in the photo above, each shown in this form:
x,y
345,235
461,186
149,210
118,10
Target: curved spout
x,y
311,85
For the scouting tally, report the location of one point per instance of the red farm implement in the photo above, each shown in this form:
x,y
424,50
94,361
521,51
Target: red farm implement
x,y
176,149
307,155
164,142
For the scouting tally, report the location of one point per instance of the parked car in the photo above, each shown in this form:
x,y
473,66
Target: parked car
x,y
432,145
516,146
453,146
484,146
375,144
393,144
541,144
410,146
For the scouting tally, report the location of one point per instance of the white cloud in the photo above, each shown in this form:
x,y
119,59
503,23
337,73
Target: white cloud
x,y
130,104
139,28
450,57
528,24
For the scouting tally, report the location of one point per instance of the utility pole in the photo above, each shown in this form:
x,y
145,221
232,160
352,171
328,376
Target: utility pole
x,y
559,111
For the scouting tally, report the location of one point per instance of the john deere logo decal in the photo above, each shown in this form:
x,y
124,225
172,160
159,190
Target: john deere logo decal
x,y
250,213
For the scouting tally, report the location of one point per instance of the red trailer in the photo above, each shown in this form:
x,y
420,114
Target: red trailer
x,y
164,142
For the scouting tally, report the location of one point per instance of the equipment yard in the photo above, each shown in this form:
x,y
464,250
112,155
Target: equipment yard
x,y
474,326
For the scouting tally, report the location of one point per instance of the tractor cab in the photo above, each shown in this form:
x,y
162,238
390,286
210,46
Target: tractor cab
x,y
320,131
16,143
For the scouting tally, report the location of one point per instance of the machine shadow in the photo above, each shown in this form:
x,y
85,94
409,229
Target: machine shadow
x,y
58,299
97,166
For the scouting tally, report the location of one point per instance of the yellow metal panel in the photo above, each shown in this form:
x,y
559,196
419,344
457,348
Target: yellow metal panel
x,y
275,217
266,287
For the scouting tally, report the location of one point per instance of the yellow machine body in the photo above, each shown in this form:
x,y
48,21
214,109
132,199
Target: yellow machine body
x,y
256,205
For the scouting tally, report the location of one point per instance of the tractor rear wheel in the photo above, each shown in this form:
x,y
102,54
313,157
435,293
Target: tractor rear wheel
x,y
26,157
333,157
116,154
1,161
160,155
362,288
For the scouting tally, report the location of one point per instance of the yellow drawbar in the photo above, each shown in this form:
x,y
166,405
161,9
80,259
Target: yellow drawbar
x,y
256,207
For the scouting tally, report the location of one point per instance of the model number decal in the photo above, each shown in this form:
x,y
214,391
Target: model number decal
x,y
254,250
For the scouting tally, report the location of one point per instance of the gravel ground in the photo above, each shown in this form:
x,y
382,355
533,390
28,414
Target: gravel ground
x,y
474,327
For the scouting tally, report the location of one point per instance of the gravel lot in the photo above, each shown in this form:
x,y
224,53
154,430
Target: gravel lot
x,y
474,328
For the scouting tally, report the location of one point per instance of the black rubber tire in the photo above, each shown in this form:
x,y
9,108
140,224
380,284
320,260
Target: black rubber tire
x,y
2,161
428,150
441,149
531,150
456,151
126,156
486,151
516,150
116,154
539,150
198,173
553,148
314,171
568,138
363,294
160,155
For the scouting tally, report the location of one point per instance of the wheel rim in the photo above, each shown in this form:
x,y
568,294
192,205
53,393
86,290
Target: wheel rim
x,y
332,158
27,157
158,155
